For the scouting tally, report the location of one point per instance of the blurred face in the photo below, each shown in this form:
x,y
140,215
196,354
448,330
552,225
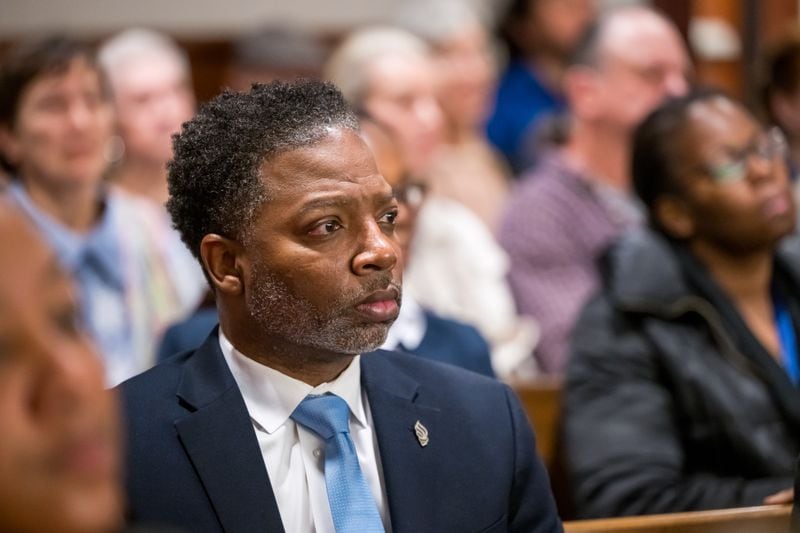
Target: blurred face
x,y
466,78
153,99
62,126
323,260
59,451
554,26
735,181
402,94
642,63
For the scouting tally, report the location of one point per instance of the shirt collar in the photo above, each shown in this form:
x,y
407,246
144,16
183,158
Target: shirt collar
x,y
98,249
271,397
409,328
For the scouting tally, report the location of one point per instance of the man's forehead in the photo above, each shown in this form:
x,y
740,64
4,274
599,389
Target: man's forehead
x,y
338,154
639,33
338,169
338,193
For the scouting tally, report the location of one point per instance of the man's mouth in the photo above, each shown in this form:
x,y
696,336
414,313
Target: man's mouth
x,y
381,306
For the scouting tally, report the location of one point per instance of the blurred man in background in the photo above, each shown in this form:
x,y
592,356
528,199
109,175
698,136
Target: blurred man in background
x,y
151,90
466,168
577,199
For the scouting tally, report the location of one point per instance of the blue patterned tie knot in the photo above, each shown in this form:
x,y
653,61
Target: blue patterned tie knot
x,y
352,506
325,415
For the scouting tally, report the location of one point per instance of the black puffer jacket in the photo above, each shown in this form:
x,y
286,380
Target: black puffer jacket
x,y
664,410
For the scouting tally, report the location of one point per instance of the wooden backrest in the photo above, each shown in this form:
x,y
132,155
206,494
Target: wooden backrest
x,y
766,519
541,399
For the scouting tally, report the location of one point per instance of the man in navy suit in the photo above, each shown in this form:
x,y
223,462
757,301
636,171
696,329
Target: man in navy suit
x,y
279,198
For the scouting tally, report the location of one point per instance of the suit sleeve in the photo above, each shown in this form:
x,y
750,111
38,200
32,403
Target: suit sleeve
x,y
624,450
532,507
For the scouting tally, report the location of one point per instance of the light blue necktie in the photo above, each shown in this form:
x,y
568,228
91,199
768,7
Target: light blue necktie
x,y
352,506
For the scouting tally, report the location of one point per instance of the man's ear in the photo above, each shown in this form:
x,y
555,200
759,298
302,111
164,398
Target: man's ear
x,y
674,216
222,258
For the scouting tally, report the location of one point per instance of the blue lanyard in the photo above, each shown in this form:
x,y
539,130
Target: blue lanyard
x,y
787,339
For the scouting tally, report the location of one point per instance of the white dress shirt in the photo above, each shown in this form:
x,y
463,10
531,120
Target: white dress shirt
x,y
409,328
294,455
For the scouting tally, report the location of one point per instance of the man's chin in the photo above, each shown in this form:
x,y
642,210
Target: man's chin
x,y
368,339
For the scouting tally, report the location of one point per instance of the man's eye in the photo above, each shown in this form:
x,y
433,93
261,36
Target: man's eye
x,y
390,217
325,228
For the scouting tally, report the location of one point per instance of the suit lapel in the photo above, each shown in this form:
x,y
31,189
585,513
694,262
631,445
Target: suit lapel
x,y
409,469
220,441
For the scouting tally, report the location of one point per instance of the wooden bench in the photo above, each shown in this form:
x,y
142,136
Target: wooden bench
x,y
766,519
541,399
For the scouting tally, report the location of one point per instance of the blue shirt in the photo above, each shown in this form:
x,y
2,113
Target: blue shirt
x,y
521,102
134,275
93,259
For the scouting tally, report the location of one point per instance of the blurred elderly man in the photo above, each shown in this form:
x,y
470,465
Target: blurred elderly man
x,y
466,168
577,200
150,84
387,74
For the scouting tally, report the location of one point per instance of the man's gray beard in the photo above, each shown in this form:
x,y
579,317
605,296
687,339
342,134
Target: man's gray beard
x,y
283,314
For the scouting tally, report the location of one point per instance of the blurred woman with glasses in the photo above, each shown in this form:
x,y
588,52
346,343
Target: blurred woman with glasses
x,y
682,392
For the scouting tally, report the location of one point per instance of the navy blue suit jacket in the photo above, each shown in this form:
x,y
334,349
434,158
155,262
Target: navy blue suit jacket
x,y
194,461
452,342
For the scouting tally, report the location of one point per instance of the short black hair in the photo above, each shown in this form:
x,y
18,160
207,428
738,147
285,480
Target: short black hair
x,y
26,61
215,181
653,162
516,10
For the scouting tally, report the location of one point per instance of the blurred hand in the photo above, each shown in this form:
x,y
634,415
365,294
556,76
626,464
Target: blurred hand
x,y
779,498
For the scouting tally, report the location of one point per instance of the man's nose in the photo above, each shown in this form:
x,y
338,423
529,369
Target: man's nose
x,y
378,250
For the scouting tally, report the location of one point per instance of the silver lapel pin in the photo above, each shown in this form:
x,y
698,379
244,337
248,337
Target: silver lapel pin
x,y
422,433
